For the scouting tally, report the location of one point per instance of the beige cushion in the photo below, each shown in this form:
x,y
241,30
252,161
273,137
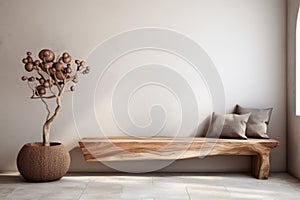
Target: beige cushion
x,y
228,126
257,125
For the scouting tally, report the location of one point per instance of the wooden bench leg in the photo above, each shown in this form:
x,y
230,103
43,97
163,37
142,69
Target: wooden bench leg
x,y
261,166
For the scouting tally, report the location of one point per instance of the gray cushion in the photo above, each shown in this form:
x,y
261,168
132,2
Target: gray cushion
x,y
228,126
257,125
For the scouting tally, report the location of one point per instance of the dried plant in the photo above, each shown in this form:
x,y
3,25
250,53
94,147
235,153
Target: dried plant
x,y
49,79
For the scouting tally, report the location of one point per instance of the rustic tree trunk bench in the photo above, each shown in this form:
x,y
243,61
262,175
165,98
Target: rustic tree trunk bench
x,y
166,148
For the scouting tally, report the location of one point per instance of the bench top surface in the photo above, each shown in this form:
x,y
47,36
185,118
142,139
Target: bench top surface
x,y
165,148
121,139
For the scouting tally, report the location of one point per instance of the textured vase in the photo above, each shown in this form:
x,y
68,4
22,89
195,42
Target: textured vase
x,y
40,163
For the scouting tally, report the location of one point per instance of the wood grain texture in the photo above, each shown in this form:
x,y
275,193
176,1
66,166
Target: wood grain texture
x,y
168,148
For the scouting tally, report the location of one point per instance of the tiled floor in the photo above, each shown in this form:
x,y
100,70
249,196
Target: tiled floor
x,y
153,186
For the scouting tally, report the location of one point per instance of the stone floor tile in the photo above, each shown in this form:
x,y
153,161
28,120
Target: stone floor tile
x,y
155,186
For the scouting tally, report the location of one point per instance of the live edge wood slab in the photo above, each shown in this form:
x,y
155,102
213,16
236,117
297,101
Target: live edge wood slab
x,y
168,148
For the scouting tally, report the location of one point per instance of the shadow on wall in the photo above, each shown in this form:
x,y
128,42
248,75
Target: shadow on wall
x,y
208,164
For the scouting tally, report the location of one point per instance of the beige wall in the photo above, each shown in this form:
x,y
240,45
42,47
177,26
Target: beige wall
x,y
293,121
245,40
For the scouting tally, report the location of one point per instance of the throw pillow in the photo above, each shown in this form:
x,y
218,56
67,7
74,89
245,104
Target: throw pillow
x,y
229,125
257,124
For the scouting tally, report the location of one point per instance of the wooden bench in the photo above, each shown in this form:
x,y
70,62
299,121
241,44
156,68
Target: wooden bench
x,y
164,148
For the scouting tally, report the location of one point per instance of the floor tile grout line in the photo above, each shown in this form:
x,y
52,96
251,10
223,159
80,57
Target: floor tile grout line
x,y
82,192
186,189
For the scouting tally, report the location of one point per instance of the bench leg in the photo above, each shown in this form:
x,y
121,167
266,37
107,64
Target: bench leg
x,y
261,166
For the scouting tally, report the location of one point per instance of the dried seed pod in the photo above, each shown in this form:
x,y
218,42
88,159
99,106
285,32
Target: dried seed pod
x,y
79,68
46,55
24,60
67,59
31,79
82,63
41,90
75,80
72,88
77,62
46,84
24,78
69,70
66,54
29,66
58,66
59,75
30,60
37,62
41,81
87,70
46,66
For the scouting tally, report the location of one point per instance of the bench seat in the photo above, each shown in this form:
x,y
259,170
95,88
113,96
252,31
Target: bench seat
x,y
164,148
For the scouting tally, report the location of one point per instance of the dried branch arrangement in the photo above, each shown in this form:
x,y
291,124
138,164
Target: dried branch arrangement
x,y
49,79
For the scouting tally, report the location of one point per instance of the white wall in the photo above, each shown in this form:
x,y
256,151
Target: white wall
x,y
293,124
245,40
